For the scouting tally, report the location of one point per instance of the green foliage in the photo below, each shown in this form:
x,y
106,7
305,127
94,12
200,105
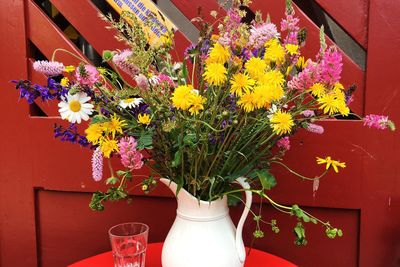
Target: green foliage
x,y
300,234
266,178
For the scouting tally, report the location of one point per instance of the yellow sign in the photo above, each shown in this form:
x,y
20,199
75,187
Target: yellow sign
x,y
142,9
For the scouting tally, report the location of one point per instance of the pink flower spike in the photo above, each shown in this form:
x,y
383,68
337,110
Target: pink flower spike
x,y
259,34
283,143
48,68
308,113
142,82
97,165
87,75
130,157
315,128
378,122
122,61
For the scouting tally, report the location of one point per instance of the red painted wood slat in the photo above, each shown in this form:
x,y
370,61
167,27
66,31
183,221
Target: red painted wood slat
x,y
351,15
83,15
47,36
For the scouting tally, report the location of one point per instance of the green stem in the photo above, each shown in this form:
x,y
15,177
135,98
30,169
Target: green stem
x,y
53,56
298,174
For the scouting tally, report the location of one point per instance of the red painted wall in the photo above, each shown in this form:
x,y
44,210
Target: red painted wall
x,y
44,215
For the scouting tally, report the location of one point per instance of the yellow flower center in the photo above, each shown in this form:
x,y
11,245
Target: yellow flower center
x,y
75,105
129,100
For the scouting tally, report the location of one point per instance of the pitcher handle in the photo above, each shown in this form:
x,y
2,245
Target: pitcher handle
x,y
239,240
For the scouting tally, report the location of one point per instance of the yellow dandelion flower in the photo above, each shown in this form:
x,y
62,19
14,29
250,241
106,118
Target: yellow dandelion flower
x,y
331,163
241,83
102,70
273,78
301,63
108,146
218,54
69,69
196,102
215,74
94,133
64,82
338,92
274,52
255,67
277,93
262,96
247,102
281,122
329,104
343,108
292,49
114,125
318,90
144,119
180,97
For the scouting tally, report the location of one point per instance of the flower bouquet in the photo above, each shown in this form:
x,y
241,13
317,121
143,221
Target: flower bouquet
x,y
225,112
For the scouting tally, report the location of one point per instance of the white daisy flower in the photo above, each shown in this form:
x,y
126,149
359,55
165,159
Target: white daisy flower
x,y
75,108
154,80
130,102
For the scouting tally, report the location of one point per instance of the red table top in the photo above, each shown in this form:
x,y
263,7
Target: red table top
x,y
256,258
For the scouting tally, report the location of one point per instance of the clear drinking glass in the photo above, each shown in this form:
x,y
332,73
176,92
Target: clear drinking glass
x,y
129,243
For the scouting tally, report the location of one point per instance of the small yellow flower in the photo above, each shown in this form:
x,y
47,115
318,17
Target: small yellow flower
x,y
109,146
331,163
69,69
64,82
180,97
114,125
273,78
145,187
329,104
318,90
301,63
292,49
214,37
196,103
94,133
144,119
274,52
166,39
281,122
241,83
218,54
247,102
215,74
255,67
102,70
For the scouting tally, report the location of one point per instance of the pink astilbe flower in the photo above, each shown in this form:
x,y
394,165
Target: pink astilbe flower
x,y
130,157
306,78
259,34
315,128
87,75
308,113
330,65
97,165
166,79
122,61
142,82
377,121
283,143
49,68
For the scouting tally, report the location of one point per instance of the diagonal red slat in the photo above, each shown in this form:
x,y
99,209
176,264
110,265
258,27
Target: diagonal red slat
x,y
47,36
352,73
83,15
351,15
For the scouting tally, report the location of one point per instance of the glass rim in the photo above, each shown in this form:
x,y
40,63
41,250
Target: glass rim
x,y
127,223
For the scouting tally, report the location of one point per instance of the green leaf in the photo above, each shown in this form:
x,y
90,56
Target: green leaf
x,y
240,173
234,198
112,180
98,119
267,180
300,234
145,141
339,233
177,159
120,173
190,140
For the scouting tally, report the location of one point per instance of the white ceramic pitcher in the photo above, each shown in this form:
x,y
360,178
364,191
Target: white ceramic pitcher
x,y
203,234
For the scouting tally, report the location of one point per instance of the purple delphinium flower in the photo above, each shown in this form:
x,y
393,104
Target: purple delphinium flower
x,y
97,165
259,34
70,134
31,91
122,61
314,128
49,68
283,143
378,122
